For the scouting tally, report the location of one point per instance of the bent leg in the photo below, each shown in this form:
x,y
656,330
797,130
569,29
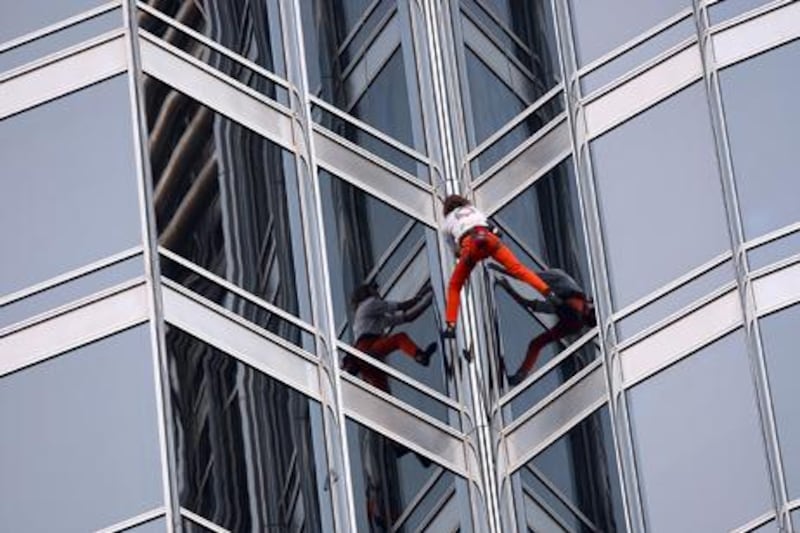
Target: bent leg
x,y
398,341
505,257
460,274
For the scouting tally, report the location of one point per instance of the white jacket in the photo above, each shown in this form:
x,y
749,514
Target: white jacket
x,y
460,220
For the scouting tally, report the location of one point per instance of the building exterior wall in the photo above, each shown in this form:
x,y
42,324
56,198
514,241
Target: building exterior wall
x,y
195,191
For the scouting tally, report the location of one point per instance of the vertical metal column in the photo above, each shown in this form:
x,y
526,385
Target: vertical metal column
x,y
618,410
340,481
151,267
752,333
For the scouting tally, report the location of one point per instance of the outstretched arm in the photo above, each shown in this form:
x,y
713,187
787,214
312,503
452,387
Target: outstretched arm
x,y
409,310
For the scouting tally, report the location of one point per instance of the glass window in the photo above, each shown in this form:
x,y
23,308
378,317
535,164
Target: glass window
x,y
70,162
542,227
20,18
574,481
250,451
251,29
660,195
600,27
396,489
154,526
227,199
79,446
774,251
62,39
783,367
761,118
380,263
726,9
698,442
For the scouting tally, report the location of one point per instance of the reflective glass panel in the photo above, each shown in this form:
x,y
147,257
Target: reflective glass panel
x,y
70,291
660,195
227,199
79,446
599,27
70,162
250,450
757,97
62,39
154,526
697,437
20,18
250,29
542,227
573,485
774,251
510,52
380,262
730,8
396,489
783,366
366,73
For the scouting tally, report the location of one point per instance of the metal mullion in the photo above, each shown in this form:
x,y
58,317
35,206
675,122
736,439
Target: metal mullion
x,y
72,275
406,263
672,286
400,376
560,496
62,54
551,364
360,124
213,45
73,305
497,168
437,508
358,25
417,499
754,347
227,285
545,507
371,38
502,26
395,244
551,398
135,521
61,25
755,523
514,122
243,322
199,520
774,267
636,41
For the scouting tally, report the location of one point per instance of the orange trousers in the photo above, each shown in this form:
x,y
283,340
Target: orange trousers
x,y
379,347
475,247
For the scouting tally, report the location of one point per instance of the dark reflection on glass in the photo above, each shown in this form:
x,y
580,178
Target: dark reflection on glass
x,y
761,130
70,163
368,81
396,489
251,29
71,291
543,228
676,300
660,195
730,8
226,199
250,450
79,446
60,40
638,55
518,71
574,481
779,336
379,251
774,251
696,433
191,527
599,27
20,18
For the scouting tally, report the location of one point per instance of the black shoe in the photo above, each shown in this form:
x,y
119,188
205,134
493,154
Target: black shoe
x,y
449,332
516,379
423,357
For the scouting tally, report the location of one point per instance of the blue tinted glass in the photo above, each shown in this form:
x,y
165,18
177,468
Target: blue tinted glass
x,y
79,450
757,97
696,433
70,162
730,8
20,18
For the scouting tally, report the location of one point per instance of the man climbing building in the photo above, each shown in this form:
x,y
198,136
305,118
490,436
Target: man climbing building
x,y
579,313
472,239
373,318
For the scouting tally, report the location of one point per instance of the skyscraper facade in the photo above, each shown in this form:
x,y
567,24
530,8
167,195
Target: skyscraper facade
x,y
201,196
